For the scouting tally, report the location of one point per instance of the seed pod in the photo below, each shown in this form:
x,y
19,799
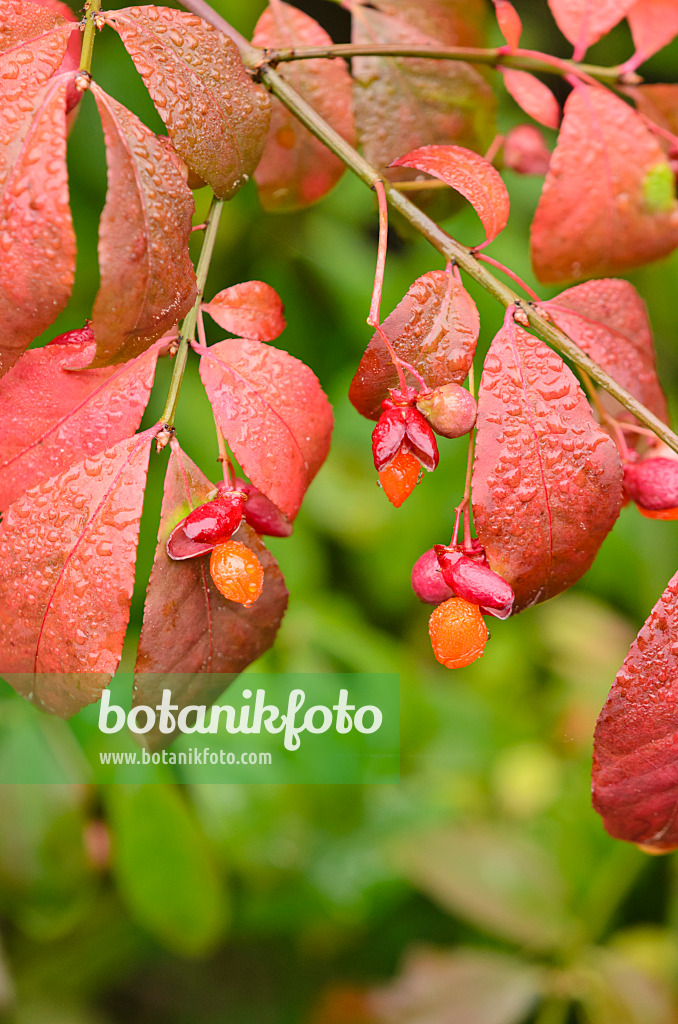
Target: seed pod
x,y
652,483
475,582
525,151
420,439
216,520
260,512
427,579
387,436
450,410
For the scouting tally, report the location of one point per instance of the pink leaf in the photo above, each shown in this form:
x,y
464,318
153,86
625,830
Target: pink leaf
x,y
510,25
67,551
653,24
535,98
147,277
77,414
37,243
216,116
608,202
546,478
44,28
296,168
608,319
635,755
471,175
188,626
273,413
584,22
659,103
252,309
404,103
434,328
525,151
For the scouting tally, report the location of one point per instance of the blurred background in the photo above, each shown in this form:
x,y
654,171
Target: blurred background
x,y
482,889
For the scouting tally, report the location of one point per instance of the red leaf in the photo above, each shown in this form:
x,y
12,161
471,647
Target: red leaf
x,y
584,22
37,243
535,98
659,103
147,277
404,103
216,116
546,478
252,309
44,26
608,202
273,413
67,551
653,24
468,173
76,414
188,626
608,319
434,328
510,25
635,762
296,168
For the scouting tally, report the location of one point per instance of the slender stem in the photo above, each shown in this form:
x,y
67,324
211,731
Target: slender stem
x,y
524,60
92,8
187,332
374,318
509,273
465,258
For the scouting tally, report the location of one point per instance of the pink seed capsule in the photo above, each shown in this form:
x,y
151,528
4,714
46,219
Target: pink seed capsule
x,y
450,410
217,520
427,579
260,512
652,483
388,435
475,582
420,439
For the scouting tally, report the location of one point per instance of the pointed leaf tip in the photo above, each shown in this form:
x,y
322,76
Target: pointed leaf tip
x,y
535,98
471,175
584,22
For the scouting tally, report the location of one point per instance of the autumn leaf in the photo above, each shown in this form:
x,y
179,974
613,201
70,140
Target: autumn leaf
x,y
215,115
429,101
659,103
471,175
147,277
297,169
546,478
434,328
77,415
510,25
584,22
653,24
608,202
252,309
188,627
37,242
533,96
46,31
273,413
67,552
608,320
635,755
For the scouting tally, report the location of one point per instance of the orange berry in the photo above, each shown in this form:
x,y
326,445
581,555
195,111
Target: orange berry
x,y
400,477
458,632
237,572
658,513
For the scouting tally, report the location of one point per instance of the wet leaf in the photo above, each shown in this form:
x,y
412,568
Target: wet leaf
x,y
659,103
608,319
535,98
44,28
273,413
608,202
163,868
147,277
471,175
67,552
510,25
584,22
635,756
438,986
188,626
546,478
252,309
434,328
77,414
429,101
37,243
653,24
215,115
296,168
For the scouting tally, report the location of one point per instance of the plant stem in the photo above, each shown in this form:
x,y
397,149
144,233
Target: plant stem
x,y
92,8
459,254
187,332
523,60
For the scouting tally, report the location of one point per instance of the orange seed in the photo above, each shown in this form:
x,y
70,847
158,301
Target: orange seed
x,y
400,477
237,572
458,632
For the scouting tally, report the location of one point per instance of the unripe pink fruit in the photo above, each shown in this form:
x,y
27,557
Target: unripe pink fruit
x,y
525,151
652,483
216,521
475,582
450,410
427,579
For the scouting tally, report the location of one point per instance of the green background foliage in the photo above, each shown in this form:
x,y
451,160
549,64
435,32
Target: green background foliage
x,y
269,905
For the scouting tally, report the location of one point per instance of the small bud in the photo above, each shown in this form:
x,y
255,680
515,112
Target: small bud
x,y
427,579
525,151
652,483
450,410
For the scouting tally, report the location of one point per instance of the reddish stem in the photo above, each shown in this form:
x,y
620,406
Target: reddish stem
x,y
494,147
374,319
564,66
509,273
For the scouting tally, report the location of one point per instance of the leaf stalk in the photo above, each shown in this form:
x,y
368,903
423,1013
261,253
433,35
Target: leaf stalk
x,y
92,9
